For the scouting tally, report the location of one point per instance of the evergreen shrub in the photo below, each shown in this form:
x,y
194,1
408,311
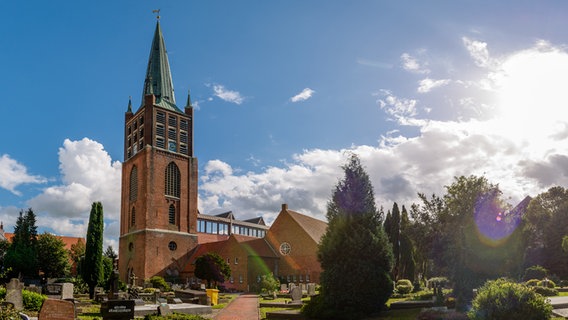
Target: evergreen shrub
x,y
546,283
547,292
403,286
32,301
438,282
502,299
535,272
532,282
160,283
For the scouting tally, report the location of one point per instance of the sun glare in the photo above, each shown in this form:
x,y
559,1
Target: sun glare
x,y
532,95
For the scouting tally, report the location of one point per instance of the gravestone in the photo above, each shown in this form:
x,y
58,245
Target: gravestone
x,y
14,293
61,291
296,294
302,287
53,309
284,287
164,310
311,289
118,309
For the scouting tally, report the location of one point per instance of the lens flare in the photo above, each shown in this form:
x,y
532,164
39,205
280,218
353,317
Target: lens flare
x,y
494,223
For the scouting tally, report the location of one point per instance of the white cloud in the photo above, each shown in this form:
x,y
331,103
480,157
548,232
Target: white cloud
x,y
478,51
411,64
14,174
303,96
227,95
426,85
401,109
88,175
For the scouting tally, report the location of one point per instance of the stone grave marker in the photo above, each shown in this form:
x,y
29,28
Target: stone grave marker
x,y
177,301
14,293
283,287
118,309
164,310
63,291
311,289
53,309
296,294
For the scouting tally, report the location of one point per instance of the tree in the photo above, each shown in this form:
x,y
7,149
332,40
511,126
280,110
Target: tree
x,y
482,241
354,253
54,258
77,254
92,268
109,258
392,228
407,264
21,255
544,226
212,268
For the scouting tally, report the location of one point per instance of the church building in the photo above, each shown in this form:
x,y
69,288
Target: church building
x,y
161,230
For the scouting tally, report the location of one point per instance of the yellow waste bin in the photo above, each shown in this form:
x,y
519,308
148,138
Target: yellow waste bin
x,y
213,295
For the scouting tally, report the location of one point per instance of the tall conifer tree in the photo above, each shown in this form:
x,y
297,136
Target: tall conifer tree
x,y
21,256
92,269
355,255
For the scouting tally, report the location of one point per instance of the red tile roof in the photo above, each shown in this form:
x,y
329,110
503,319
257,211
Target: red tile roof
x,y
68,241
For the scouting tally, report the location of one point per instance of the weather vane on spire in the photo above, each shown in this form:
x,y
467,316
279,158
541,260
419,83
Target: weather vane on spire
x,y
158,13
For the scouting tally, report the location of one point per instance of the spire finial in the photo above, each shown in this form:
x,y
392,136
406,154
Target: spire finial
x,y
157,11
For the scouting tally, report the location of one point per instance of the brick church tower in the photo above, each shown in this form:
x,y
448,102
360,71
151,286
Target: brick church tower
x,y
158,215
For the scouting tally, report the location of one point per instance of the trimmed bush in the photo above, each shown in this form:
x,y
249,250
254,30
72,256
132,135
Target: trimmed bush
x,y
547,292
404,286
532,282
32,301
563,283
159,283
546,283
438,282
503,300
535,272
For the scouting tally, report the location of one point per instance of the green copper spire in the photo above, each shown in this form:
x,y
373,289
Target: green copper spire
x,y
158,76
129,105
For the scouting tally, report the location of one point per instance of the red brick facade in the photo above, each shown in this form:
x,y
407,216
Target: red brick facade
x,y
156,228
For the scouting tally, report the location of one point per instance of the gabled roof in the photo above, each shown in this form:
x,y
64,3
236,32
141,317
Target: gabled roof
x,y
257,220
158,79
228,215
315,228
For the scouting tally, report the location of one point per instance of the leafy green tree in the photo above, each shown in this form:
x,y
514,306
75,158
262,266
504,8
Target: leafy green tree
x,y
54,258
21,255
77,254
92,267
424,230
482,242
212,268
354,253
543,231
109,256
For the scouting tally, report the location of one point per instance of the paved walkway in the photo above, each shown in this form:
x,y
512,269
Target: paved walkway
x,y
244,307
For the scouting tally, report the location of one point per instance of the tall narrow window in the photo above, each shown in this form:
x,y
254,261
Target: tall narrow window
x,y
133,217
172,180
133,183
172,214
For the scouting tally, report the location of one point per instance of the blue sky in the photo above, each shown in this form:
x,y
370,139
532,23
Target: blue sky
x,y
422,91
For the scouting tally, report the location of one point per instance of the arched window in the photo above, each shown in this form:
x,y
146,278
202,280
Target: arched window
x,y
132,217
172,180
133,183
172,214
